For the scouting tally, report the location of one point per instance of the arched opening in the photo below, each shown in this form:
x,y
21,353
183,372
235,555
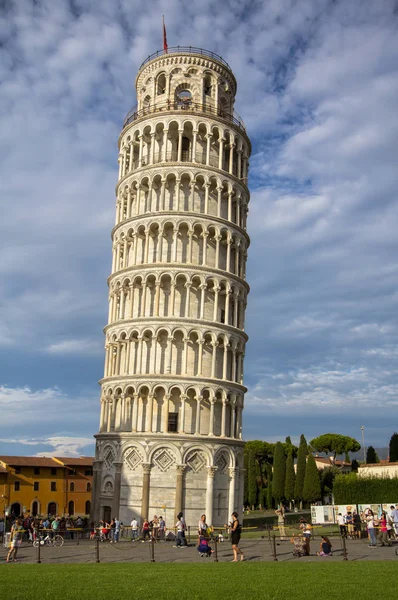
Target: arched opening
x,y
107,514
87,507
161,84
52,508
72,486
88,487
16,509
71,508
35,509
183,98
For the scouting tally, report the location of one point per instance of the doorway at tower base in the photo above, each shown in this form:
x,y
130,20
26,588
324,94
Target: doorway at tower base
x,y
141,477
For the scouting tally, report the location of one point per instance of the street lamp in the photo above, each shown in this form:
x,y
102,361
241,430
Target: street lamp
x,y
363,443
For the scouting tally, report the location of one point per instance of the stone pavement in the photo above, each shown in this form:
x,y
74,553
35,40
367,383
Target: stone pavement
x,y
256,550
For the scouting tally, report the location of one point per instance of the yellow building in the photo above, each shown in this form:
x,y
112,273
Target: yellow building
x,y
41,486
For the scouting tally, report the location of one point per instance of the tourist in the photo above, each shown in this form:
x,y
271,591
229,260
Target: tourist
x,y
350,524
16,540
162,529
203,546
155,528
1,530
202,526
357,524
394,517
325,548
383,533
236,530
116,533
306,530
280,511
371,524
145,530
134,529
181,542
342,525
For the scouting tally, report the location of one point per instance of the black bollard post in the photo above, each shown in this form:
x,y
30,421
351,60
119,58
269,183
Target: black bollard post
x,y
274,547
216,549
344,548
38,557
97,540
77,535
152,550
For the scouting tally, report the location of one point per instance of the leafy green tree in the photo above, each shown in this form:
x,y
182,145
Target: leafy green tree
x,y
278,480
289,478
327,477
371,456
334,443
300,472
312,482
393,448
288,440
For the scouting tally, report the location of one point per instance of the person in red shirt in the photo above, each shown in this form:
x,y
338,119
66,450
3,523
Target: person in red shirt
x,y
383,532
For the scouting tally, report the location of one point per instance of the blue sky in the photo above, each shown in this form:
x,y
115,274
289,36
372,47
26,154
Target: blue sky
x,y
318,87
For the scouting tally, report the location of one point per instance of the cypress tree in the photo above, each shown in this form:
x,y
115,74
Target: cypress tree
x,y
371,456
393,453
300,472
278,480
290,478
251,480
312,482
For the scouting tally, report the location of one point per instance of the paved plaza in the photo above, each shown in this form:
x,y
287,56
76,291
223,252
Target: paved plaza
x,y
255,550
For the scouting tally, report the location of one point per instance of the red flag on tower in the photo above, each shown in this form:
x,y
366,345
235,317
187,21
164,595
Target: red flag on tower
x,y
165,46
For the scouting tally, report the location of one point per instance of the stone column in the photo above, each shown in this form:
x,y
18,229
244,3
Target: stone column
x,y
140,137
211,471
214,359
211,424
223,417
116,489
194,134
200,357
207,188
232,486
146,476
187,299
219,200
177,190
197,420
232,419
202,287
96,490
182,419
215,313
179,155
218,240
135,413
208,144
205,235
164,149
221,153
185,359
166,414
153,147
148,425
179,490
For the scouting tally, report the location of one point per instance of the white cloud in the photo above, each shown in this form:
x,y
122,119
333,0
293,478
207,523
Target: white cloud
x,y
317,87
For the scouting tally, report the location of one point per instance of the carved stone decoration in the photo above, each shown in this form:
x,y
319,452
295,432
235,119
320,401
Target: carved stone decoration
x,y
133,458
108,487
222,462
196,461
163,459
109,458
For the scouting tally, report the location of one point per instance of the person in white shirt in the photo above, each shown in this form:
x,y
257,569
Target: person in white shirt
x,y
342,525
134,529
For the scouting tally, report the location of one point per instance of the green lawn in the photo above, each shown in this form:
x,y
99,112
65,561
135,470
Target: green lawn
x,y
211,581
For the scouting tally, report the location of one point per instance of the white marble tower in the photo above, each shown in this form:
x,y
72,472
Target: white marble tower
x,y
170,434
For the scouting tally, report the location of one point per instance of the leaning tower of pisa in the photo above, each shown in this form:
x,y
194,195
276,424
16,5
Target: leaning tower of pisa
x,y
172,396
